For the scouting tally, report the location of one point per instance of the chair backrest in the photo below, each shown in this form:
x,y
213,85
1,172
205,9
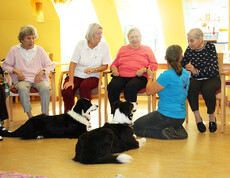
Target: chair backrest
x,y
220,61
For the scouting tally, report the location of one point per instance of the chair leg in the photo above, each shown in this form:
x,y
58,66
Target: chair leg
x,y
99,108
149,104
11,108
60,103
8,110
153,102
106,98
223,106
53,104
218,106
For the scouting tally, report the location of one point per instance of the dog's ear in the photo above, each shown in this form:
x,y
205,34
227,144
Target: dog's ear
x,y
126,108
82,104
115,106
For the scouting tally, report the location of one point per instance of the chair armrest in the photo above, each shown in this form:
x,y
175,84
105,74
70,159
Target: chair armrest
x,y
60,81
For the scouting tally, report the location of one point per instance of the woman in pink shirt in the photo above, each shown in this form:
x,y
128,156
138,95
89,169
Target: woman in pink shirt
x,y
129,68
29,66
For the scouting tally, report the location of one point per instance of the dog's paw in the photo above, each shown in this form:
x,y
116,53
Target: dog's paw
x,y
141,141
124,158
39,137
119,176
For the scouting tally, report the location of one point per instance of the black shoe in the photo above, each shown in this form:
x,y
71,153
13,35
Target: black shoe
x,y
201,127
212,126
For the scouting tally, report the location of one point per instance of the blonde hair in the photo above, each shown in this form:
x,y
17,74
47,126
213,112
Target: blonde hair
x,y
27,30
195,33
92,29
133,29
173,54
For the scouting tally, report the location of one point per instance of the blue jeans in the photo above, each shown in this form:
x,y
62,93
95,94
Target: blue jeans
x,y
152,125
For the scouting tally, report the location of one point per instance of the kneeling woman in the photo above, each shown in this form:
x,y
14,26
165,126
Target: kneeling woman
x,y
172,88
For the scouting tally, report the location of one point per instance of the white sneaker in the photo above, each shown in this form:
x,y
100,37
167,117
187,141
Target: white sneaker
x,y
1,138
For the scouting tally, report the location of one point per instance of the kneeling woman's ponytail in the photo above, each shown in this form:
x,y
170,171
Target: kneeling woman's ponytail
x,y
173,55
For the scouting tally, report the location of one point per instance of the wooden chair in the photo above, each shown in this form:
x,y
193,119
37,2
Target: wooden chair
x,y
33,92
220,94
142,92
96,92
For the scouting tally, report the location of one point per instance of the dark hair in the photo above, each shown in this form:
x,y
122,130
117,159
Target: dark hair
x,y
173,54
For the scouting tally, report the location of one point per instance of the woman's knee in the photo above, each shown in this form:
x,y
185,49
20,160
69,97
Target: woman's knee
x,y
45,91
66,93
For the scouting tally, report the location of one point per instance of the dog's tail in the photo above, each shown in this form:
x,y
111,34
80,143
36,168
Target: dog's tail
x,y
122,158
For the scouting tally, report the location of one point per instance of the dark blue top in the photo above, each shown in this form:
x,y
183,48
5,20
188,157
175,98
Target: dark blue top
x,y
205,60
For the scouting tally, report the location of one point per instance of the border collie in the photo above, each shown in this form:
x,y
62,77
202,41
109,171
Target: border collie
x,y
68,125
99,145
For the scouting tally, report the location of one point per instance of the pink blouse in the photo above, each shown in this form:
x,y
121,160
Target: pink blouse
x,y
129,60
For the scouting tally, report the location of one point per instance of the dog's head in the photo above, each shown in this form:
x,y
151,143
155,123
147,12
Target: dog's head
x,y
84,107
123,111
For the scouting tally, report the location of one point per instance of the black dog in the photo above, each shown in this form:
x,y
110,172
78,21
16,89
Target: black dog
x,y
98,146
69,125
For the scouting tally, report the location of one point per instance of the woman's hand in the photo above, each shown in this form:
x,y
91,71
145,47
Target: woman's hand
x,y
190,67
89,70
38,77
115,72
19,74
140,72
150,73
68,84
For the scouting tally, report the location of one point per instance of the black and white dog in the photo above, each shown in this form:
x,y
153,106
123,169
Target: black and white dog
x,y
99,145
68,125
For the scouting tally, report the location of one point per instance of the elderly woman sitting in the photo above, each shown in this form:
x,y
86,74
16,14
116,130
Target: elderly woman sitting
x,y
200,58
29,66
90,57
129,68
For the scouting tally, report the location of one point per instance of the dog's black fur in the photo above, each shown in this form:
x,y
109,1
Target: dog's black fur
x,y
68,125
98,146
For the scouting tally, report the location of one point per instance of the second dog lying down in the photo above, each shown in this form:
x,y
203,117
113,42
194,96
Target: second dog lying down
x,y
69,125
98,146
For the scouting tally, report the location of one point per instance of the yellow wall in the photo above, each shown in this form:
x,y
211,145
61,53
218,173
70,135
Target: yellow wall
x,y
172,19
171,13
16,13
108,18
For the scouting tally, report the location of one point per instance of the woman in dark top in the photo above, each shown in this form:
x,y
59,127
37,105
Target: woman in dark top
x,y
200,58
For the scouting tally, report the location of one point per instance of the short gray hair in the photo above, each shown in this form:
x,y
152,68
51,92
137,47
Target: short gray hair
x,y
27,30
195,33
133,29
92,29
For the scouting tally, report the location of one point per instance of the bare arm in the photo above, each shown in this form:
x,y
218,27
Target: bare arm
x,y
97,69
152,86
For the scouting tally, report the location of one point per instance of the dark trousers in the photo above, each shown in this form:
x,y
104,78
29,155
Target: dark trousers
x,y
208,89
85,87
3,110
131,86
152,125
